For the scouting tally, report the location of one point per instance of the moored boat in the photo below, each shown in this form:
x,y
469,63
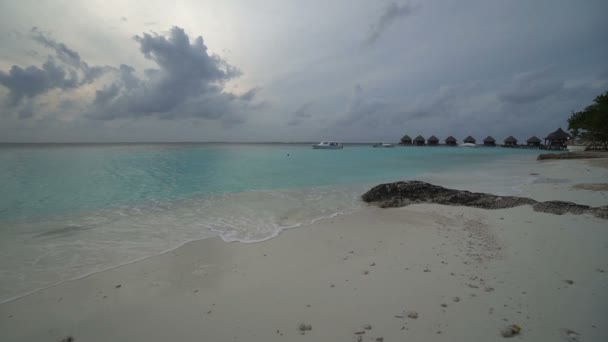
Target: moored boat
x,y
467,145
328,145
385,145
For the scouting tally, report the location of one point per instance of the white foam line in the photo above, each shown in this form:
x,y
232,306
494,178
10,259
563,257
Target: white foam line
x,y
89,274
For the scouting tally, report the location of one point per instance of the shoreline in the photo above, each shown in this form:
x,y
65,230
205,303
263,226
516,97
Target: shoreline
x,y
301,265
53,253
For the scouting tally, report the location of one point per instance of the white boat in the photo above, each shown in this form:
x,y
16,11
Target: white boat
x,y
328,145
467,145
385,145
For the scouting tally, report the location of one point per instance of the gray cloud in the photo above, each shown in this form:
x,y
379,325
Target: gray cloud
x,y
65,70
421,80
531,87
391,13
64,53
32,81
69,57
106,94
189,82
365,108
301,114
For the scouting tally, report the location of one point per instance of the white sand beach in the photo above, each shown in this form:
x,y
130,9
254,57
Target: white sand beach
x,y
466,272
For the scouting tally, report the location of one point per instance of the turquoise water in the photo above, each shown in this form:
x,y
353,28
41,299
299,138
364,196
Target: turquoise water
x,y
49,180
70,210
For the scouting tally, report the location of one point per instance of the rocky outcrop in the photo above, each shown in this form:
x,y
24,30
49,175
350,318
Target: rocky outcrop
x,y
400,194
572,155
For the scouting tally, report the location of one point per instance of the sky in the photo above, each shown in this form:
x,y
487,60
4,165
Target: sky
x,y
295,71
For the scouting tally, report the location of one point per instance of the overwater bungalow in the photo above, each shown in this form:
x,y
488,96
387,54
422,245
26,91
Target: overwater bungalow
x,y
433,141
533,142
489,142
419,141
451,141
510,141
469,140
406,140
557,140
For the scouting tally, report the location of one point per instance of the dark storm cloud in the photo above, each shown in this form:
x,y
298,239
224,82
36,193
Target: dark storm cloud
x,y
391,13
188,82
531,87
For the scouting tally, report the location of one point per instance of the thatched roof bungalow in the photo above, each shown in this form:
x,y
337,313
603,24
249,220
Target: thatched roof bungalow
x,y
469,140
489,141
419,141
433,141
510,141
533,142
557,140
406,140
450,141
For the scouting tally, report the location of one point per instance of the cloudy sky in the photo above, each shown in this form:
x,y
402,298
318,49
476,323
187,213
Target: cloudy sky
x,y
276,70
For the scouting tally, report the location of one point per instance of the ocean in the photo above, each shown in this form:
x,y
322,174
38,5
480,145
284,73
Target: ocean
x,y
69,210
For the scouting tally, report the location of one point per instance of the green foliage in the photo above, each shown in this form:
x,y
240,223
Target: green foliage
x,y
592,123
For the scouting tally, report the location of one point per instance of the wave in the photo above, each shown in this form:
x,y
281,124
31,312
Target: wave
x,y
39,254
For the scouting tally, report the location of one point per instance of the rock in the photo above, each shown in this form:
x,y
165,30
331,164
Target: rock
x,y
367,327
570,282
561,207
412,314
372,264
366,272
570,335
571,155
507,332
68,339
510,330
456,299
118,286
380,339
601,212
303,327
400,194
361,332
444,305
